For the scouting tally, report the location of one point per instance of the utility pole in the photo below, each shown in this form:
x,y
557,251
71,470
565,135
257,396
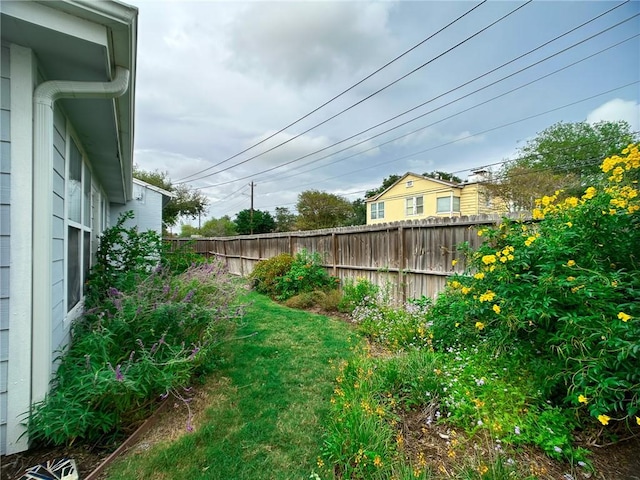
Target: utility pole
x,y
251,211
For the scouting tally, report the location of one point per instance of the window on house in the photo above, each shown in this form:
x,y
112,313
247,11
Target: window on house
x,y
409,183
414,206
79,224
377,210
443,204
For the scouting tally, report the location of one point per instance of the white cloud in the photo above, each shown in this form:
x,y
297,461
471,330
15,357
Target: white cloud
x,y
304,42
617,109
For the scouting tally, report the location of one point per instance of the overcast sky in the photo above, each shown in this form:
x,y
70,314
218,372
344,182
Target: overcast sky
x,y
215,78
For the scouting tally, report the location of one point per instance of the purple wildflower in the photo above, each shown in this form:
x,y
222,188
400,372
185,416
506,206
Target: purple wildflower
x,y
133,352
165,289
189,296
119,376
113,292
193,353
189,425
153,348
118,304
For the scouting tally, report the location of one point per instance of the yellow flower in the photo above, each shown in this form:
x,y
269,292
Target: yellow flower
x,y
455,284
503,259
604,419
496,308
537,214
571,263
570,279
589,193
480,232
479,276
529,241
453,263
480,325
483,469
487,296
377,461
569,224
320,463
583,399
638,420
465,290
624,317
488,259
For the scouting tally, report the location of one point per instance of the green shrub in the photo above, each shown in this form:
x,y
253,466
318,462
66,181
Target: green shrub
x,y
362,292
266,273
135,346
124,256
306,274
569,287
182,258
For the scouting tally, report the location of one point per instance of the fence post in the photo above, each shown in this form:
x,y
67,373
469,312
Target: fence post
x,y
224,250
241,259
401,265
334,244
291,245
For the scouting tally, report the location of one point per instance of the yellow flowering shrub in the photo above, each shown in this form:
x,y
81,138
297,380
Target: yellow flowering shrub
x,y
564,288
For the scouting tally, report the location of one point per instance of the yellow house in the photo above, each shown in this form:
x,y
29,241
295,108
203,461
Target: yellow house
x,y
414,197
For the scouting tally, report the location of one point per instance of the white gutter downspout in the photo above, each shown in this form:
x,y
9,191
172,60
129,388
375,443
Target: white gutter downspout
x,y
44,98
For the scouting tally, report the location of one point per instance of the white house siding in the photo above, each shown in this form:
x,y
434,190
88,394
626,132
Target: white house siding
x,y
5,218
146,206
59,334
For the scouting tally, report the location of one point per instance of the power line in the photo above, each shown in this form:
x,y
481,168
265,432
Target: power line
x,y
368,96
339,94
447,104
433,123
403,157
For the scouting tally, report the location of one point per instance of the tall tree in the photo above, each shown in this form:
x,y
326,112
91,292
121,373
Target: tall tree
x,y
359,215
285,219
187,202
259,222
565,156
318,209
218,227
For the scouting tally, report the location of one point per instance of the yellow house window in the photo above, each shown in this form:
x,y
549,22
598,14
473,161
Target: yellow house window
x,y
377,210
414,206
448,204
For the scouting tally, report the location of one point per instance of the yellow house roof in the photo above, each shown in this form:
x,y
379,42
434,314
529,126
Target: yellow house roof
x,y
404,178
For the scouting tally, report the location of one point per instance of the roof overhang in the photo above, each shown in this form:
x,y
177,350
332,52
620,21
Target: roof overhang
x,y
85,41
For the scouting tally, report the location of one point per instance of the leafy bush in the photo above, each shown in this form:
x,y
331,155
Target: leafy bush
x,y
568,286
135,346
306,274
362,292
179,260
124,256
266,273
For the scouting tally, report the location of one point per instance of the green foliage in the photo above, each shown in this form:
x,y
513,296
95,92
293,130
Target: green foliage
x,y
318,209
218,227
564,156
259,222
362,292
285,220
266,273
440,175
568,286
124,256
306,274
179,260
146,334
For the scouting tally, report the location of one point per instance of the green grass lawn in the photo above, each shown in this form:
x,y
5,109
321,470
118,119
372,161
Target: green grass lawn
x,y
267,423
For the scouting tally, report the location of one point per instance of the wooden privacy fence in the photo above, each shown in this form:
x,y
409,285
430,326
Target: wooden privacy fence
x,y
412,258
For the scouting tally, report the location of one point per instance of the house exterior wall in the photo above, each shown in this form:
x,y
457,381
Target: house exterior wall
x,y
5,234
475,200
395,199
59,334
146,206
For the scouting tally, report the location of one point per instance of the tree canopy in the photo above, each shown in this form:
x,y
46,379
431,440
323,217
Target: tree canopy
x,y
262,222
565,156
318,209
285,219
187,202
